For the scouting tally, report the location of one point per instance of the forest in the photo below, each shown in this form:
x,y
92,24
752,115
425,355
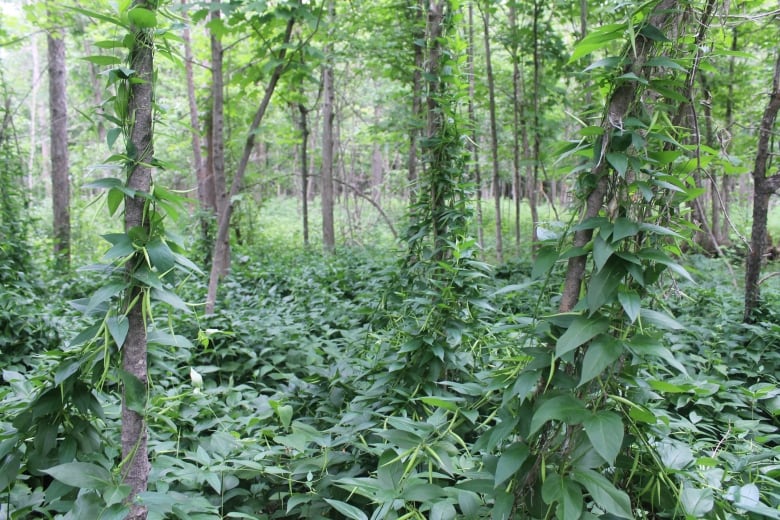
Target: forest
x,y
389,259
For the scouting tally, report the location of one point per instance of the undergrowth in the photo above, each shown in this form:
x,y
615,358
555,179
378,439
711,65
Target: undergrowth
x,y
285,405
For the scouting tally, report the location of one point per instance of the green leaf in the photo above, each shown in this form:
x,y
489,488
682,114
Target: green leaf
x,y
9,469
602,352
619,162
112,135
114,199
104,294
652,32
347,510
285,413
81,475
105,183
545,259
605,431
566,493
142,18
624,228
696,502
99,16
597,39
442,511
579,332
660,320
160,255
66,369
134,392
631,303
604,493
118,327
510,462
564,408
603,285
503,504
171,299
601,252
663,61
102,60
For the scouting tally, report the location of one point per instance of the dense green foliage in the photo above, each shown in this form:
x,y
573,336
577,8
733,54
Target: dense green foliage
x,y
299,415
406,379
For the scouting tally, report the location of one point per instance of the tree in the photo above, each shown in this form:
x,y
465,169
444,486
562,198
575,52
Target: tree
x,y
617,109
328,235
223,224
60,174
763,188
205,179
493,134
135,471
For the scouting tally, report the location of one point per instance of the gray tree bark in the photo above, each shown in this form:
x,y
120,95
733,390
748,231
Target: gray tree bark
x,y
493,135
328,234
60,175
763,187
135,471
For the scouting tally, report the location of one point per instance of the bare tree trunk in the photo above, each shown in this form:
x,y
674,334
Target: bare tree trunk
x,y
493,136
533,196
304,125
473,147
135,471
223,227
217,160
206,193
328,234
58,107
763,187
417,84
617,109
517,180
34,81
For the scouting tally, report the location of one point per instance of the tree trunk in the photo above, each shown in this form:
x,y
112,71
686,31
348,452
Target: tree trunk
x,y
135,470
217,161
537,132
417,37
304,125
618,107
516,177
763,187
60,180
206,193
223,227
328,234
34,82
473,148
493,135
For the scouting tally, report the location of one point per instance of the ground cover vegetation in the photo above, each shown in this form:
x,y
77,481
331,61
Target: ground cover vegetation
x,y
598,342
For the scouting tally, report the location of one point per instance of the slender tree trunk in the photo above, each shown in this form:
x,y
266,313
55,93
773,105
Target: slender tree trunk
x,y
206,193
304,125
763,187
517,181
618,107
328,234
135,471
217,161
35,85
417,85
473,147
493,136
58,107
223,227
533,196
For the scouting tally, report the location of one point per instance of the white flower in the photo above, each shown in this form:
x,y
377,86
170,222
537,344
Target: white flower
x,y
196,378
